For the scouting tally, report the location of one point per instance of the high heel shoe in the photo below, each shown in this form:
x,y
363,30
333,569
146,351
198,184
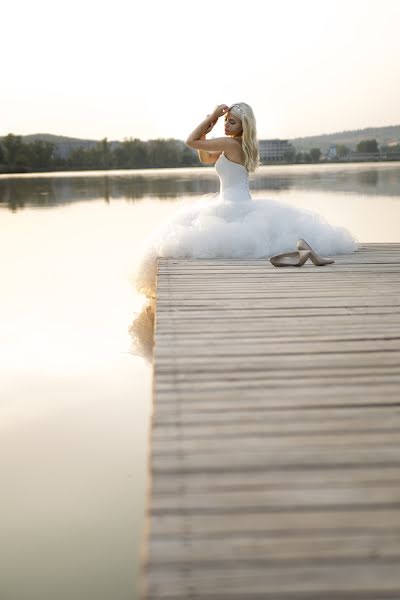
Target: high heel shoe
x,y
316,258
291,259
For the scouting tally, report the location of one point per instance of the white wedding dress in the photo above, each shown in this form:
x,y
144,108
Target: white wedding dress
x,y
233,225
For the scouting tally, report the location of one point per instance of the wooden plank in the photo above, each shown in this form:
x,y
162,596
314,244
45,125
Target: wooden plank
x,y
292,458
278,422
238,501
227,348
302,382
289,523
305,548
235,579
277,313
299,479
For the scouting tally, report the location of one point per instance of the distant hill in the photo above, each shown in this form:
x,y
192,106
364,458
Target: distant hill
x,y
55,139
64,144
383,135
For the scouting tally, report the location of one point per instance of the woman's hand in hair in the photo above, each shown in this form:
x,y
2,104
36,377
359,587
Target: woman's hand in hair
x,y
219,110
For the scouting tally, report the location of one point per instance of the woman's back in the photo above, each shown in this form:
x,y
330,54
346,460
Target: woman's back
x,y
234,180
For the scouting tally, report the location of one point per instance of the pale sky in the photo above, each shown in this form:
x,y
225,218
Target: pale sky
x,y
155,68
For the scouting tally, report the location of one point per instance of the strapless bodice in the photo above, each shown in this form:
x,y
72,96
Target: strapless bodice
x,y
234,180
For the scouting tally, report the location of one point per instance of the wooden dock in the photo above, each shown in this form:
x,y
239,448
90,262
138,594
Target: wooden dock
x,y
275,444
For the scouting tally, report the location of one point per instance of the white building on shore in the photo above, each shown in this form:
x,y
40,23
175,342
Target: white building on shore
x,y
332,152
274,150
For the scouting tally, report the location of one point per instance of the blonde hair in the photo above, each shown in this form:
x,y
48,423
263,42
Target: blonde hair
x,y
249,137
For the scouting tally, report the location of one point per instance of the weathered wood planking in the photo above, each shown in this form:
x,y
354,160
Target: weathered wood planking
x,y
275,446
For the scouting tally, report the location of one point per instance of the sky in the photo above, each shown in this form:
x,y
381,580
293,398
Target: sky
x,y
155,68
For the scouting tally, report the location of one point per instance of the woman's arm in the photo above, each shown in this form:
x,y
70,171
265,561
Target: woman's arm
x,y
197,139
207,157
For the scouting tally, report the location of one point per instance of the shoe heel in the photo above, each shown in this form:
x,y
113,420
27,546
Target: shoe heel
x,y
314,257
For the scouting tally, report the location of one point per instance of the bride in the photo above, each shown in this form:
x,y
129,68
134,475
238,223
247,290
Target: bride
x,y
233,225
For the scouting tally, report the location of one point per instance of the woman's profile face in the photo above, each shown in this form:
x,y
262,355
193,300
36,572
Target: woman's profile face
x,y
233,125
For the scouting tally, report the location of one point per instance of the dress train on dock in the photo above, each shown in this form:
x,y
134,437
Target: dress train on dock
x,y
233,225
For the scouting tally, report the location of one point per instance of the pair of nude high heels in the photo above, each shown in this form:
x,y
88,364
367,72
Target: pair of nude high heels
x,y
297,259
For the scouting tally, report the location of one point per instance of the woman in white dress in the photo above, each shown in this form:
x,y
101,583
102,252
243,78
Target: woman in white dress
x,y
232,224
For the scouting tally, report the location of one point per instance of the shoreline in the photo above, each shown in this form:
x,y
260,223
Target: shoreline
x,y
23,171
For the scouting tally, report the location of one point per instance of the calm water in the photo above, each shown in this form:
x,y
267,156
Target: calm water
x,y
75,357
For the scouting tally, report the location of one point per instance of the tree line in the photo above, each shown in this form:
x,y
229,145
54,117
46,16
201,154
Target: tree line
x,y
19,156
342,151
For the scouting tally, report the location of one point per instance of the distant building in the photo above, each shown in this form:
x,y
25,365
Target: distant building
x,y
331,153
274,150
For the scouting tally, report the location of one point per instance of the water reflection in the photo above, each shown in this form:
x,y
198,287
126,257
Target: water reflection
x,y
19,191
360,179
16,193
141,331
369,178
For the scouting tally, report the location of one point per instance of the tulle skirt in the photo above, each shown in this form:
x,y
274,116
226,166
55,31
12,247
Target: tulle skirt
x,y
218,228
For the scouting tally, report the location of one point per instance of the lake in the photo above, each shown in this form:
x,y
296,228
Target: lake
x,y
76,356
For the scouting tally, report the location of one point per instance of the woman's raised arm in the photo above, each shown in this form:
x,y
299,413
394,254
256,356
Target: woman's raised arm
x,y
196,138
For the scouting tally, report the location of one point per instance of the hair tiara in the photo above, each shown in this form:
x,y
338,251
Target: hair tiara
x,y
238,109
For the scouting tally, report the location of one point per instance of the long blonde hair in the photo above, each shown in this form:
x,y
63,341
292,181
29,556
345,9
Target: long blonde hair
x,y
249,137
